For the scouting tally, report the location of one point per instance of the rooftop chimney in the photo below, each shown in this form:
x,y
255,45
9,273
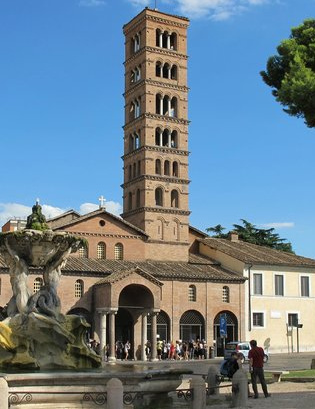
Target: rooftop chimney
x,y
233,236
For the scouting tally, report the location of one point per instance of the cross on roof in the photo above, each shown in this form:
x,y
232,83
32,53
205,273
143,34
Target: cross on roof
x,y
102,201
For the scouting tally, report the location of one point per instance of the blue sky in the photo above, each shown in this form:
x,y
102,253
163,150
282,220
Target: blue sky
x,y
61,111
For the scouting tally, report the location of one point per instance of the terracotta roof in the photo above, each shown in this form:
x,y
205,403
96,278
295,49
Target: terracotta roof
x,y
96,213
60,216
253,254
194,229
204,269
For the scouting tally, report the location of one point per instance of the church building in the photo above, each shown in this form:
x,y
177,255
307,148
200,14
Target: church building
x,y
149,274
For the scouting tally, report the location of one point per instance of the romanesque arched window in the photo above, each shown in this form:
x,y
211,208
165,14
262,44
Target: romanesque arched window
x,y
101,250
158,166
175,169
166,71
129,201
174,198
158,197
225,294
192,293
158,69
78,289
174,142
167,168
38,283
174,72
119,251
138,198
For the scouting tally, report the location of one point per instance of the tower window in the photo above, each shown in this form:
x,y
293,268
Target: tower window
x,y
158,69
158,197
173,110
167,168
174,198
130,172
225,294
38,283
135,43
129,201
119,251
174,72
158,166
192,293
138,198
166,71
175,169
138,168
174,139
78,289
101,250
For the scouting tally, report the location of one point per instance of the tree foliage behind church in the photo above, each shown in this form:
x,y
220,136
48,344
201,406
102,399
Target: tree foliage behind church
x,y
291,73
251,234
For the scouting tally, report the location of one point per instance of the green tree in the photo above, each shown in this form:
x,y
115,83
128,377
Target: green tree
x,y
251,234
291,73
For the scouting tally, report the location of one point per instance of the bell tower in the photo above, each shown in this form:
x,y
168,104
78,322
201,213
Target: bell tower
x,y
155,188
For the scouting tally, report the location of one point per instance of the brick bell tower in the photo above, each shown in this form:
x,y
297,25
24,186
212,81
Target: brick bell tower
x,y
155,188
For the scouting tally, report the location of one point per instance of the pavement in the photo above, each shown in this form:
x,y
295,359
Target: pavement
x,y
284,394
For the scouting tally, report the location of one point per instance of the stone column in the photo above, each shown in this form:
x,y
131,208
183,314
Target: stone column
x,y
168,41
161,137
161,105
153,335
161,40
144,324
112,340
115,394
169,138
103,314
169,107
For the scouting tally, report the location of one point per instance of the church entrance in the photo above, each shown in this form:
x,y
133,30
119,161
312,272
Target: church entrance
x,y
134,301
123,331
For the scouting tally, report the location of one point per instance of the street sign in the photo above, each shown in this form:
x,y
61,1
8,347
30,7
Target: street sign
x,y
223,332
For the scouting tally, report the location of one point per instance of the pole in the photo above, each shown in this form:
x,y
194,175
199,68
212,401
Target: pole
x,y
297,340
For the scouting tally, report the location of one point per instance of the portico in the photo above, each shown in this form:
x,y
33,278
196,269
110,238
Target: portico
x,y
123,303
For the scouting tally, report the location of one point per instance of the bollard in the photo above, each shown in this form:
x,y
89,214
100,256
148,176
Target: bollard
x,y
197,384
239,389
115,391
4,394
212,380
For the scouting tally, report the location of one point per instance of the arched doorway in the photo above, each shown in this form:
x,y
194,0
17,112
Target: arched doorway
x,y
133,301
191,326
231,328
163,326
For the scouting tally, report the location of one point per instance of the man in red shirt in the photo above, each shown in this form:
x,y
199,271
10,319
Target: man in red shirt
x,y
256,368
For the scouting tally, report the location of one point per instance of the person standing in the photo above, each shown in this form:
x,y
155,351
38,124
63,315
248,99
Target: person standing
x,y
256,368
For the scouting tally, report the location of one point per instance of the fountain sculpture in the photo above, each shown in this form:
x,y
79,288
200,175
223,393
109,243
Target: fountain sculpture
x,y
35,334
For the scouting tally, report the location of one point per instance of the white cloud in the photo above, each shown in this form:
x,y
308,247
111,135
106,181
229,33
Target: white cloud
x,y
278,225
19,211
141,3
91,3
213,9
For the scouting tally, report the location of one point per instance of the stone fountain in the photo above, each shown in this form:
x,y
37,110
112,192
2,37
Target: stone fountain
x,y
44,358
35,334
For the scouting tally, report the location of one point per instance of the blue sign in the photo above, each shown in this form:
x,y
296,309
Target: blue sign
x,y
223,332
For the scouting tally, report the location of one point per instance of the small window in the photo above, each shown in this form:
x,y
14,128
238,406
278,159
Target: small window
x,y
258,319
175,169
279,288
158,167
158,197
192,293
129,201
101,250
119,251
305,286
293,319
174,198
78,289
225,294
167,168
257,284
138,198
83,252
38,283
